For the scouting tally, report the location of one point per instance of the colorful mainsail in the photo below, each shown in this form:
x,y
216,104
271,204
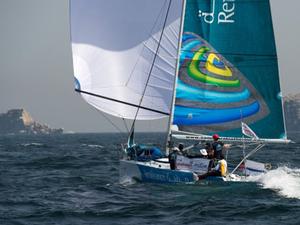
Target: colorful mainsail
x,y
228,70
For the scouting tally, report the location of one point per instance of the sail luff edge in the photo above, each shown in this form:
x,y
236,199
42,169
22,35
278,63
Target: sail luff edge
x,y
176,77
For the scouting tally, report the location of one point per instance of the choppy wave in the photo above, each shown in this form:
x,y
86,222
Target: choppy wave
x,y
33,144
65,181
284,180
92,146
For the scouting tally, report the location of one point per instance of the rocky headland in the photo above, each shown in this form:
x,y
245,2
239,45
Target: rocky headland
x,y
19,121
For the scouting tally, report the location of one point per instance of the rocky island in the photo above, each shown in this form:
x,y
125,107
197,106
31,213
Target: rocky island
x,y
18,121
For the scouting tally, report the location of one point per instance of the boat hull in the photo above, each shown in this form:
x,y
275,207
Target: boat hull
x,y
160,172
154,172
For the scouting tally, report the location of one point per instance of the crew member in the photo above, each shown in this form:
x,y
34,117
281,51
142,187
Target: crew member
x,y
220,170
222,166
211,156
218,146
173,157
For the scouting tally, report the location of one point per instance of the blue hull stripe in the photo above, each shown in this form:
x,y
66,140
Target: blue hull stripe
x,y
156,175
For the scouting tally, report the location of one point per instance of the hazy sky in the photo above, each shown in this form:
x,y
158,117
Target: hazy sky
x,y
36,62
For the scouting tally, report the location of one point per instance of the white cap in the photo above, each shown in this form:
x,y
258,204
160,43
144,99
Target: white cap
x,y
176,149
203,151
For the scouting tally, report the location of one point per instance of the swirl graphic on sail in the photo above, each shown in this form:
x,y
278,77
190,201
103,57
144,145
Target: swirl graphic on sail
x,y
211,94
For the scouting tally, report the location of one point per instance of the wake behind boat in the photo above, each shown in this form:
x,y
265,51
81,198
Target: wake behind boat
x,y
209,66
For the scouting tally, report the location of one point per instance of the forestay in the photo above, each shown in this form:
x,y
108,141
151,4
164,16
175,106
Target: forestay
x,y
228,71
114,44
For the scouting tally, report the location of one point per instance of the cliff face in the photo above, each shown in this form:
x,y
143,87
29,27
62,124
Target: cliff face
x,y
18,121
292,113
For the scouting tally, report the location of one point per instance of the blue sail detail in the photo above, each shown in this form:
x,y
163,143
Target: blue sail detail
x,y
186,51
77,84
198,116
218,64
187,37
187,92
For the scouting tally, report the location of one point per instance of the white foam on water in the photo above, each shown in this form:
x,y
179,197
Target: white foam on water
x,y
126,180
95,146
92,146
31,144
284,180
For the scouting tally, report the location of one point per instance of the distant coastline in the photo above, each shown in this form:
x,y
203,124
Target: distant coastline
x,y
292,114
19,121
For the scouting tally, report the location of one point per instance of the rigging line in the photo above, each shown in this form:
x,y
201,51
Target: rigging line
x,y
112,123
152,65
120,132
125,125
155,56
122,102
247,156
152,29
128,134
244,145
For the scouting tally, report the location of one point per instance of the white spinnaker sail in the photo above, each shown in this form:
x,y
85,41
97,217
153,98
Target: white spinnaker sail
x,y
114,44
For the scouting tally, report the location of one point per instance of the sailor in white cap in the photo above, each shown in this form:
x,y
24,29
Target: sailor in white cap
x,y
203,153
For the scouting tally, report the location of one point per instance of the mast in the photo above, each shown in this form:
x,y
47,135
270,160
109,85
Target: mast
x,y
131,133
169,136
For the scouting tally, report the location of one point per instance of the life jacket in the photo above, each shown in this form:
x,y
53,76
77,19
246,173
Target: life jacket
x,y
217,146
222,167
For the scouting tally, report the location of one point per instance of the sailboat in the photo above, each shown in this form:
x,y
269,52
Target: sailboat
x,y
210,66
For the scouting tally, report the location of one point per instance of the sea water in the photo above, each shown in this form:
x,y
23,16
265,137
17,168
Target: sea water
x,y
74,179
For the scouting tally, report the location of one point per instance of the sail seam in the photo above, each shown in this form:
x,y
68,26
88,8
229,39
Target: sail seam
x,y
171,42
164,70
160,56
173,31
142,50
162,47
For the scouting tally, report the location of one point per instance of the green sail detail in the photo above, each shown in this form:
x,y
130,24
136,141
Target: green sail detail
x,y
196,74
